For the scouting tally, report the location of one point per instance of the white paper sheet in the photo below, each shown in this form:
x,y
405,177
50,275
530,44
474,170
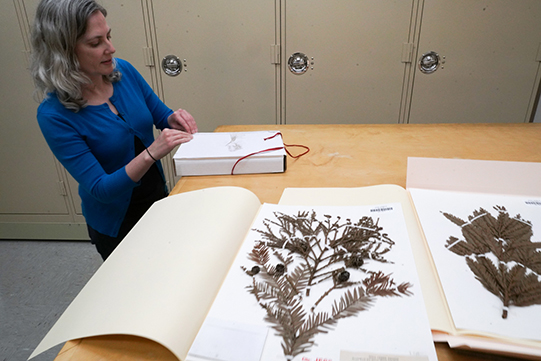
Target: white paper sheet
x,y
393,325
228,341
458,187
475,176
438,314
471,305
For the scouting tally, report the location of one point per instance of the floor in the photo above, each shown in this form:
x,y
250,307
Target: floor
x,y
38,280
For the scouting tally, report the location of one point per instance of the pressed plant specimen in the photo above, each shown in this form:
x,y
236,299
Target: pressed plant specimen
x,y
309,272
500,253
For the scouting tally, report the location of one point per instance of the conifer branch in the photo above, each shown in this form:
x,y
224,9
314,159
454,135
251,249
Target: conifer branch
x,y
515,277
297,253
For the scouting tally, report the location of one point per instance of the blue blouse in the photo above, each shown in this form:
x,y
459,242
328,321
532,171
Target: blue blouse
x,y
95,145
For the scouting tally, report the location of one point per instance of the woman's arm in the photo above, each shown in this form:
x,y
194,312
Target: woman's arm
x,y
106,182
168,139
176,127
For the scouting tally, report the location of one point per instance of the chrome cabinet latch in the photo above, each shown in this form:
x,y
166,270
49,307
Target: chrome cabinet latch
x,y
429,62
171,65
298,63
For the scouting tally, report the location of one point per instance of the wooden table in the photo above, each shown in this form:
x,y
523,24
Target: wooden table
x,y
341,156
364,155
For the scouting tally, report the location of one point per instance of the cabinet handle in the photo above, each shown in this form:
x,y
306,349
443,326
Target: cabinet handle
x,y
298,63
171,65
429,62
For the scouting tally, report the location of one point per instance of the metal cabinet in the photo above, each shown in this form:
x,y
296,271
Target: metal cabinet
x,y
233,60
351,61
278,62
36,198
353,69
487,66
218,59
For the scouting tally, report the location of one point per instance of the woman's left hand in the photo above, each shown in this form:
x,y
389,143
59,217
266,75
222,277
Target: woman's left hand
x,y
182,120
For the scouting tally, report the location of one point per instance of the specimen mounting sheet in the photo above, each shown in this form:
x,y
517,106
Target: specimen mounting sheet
x,y
471,305
393,323
482,222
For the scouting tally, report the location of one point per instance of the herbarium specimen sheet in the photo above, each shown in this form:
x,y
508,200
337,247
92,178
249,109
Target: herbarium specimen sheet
x,y
487,252
320,283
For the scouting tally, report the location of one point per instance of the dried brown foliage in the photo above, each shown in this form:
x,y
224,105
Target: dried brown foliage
x,y
501,255
304,264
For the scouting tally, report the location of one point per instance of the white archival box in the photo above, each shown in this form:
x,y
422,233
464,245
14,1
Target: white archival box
x,y
240,152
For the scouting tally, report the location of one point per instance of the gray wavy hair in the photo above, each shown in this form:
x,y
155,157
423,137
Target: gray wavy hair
x,y
54,66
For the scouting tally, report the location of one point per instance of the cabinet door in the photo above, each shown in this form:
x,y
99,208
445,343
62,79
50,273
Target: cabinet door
x,y
489,61
127,22
356,72
224,48
29,181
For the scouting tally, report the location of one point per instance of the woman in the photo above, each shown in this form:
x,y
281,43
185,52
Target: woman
x,y
98,117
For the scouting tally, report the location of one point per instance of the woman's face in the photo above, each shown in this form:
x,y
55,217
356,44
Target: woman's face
x,y
94,49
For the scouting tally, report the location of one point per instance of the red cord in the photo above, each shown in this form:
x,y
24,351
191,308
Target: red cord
x,y
272,149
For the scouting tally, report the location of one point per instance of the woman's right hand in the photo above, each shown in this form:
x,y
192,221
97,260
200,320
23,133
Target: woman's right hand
x,y
168,139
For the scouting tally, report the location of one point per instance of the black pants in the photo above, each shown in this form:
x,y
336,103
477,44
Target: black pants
x,y
151,189
107,244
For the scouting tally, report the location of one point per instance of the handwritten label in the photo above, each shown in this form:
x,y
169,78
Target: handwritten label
x,y
361,356
533,202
